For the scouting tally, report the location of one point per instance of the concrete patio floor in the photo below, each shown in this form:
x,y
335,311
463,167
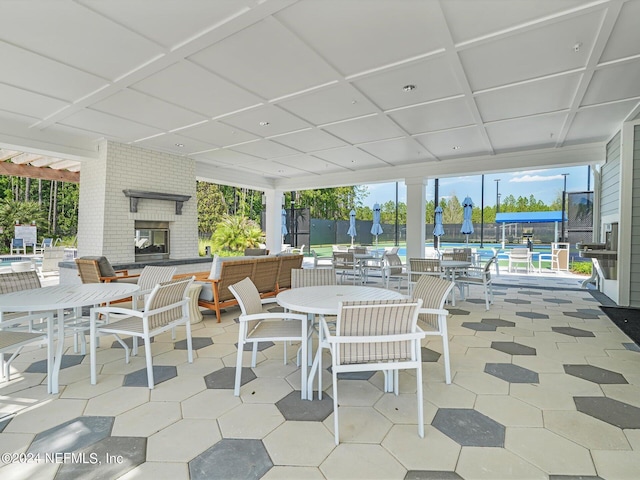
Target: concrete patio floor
x,y
544,386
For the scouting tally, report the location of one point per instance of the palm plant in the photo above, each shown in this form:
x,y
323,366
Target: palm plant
x,y
236,233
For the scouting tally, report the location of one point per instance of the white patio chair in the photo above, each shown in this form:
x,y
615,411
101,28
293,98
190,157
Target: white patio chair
x,y
394,269
519,256
433,292
17,245
479,276
258,326
345,262
380,335
166,308
418,267
321,262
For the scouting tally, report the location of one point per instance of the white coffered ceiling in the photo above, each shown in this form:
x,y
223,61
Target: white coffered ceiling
x,y
294,94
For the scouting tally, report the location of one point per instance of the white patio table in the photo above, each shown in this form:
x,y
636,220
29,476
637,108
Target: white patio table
x,y
325,300
58,298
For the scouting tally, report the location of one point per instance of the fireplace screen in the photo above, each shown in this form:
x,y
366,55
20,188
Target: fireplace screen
x,y
151,241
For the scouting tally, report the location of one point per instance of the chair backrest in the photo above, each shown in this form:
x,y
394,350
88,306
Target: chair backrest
x,y
394,263
233,272
92,268
287,263
343,260
461,256
376,318
392,250
312,277
358,250
164,295
151,276
17,243
16,281
518,252
248,298
433,292
265,276
424,265
487,267
47,242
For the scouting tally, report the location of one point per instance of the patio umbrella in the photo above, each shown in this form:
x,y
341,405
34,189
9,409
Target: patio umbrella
x,y
352,225
283,230
438,230
467,226
376,229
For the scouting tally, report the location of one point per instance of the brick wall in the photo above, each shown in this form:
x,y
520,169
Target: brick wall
x,y
105,225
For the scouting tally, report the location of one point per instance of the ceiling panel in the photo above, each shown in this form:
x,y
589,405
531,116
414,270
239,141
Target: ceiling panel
x,y
310,140
106,49
541,96
271,169
355,38
217,133
266,59
532,53
196,89
111,127
625,38
434,116
351,158
310,164
278,121
432,77
598,123
614,82
330,104
459,142
227,157
170,24
473,19
38,74
175,144
399,151
540,132
147,110
367,129
17,100
264,149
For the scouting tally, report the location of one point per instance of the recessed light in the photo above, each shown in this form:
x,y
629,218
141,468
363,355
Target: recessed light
x,y
181,145
456,147
264,124
409,88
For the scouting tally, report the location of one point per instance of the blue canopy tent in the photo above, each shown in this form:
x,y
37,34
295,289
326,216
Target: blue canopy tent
x,y
529,217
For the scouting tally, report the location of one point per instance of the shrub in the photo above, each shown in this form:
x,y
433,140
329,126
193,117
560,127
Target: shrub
x,y
581,268
235,233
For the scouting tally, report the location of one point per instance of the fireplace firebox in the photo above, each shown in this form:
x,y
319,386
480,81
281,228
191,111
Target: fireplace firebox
x,y
151,241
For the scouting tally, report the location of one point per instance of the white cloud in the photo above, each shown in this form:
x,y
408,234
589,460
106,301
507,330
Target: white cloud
x,y
530,172
535,178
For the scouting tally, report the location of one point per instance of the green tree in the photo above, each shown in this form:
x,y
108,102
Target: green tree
x,y
235,233
211,206
12,212
451,210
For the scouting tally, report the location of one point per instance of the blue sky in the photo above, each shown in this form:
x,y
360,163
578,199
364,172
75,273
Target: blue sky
x,y
545,185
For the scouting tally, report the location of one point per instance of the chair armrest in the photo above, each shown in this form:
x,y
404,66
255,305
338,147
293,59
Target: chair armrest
x,y
266,316
268,300
118,310
434,311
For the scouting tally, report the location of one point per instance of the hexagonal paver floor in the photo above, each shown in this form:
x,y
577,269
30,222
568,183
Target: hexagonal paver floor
x,y
556,300
196,342
517,301
292,407
429,355
129,342
631,346
469,428
532,315
575,477
573,332
161,373
248,347
225,378
479,326
125,453
608,410
581,315
67,361
513,348
511,373
590,311
231,458
498,322
457,311
4,422
72,435
529,292
431,475
595,374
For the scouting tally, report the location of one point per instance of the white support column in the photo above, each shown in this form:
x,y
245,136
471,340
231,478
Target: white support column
x,y
273,219
416,213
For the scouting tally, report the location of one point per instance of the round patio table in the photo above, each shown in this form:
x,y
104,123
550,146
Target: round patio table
x,y
58,298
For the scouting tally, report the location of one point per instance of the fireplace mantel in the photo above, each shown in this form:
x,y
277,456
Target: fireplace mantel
x,y
135,195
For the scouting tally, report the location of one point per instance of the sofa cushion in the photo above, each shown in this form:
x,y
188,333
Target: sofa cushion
x,y
106,270
207,291
216,265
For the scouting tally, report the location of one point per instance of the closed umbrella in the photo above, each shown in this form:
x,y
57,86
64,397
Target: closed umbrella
x,y
376,229
467,226
438,230
352,225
